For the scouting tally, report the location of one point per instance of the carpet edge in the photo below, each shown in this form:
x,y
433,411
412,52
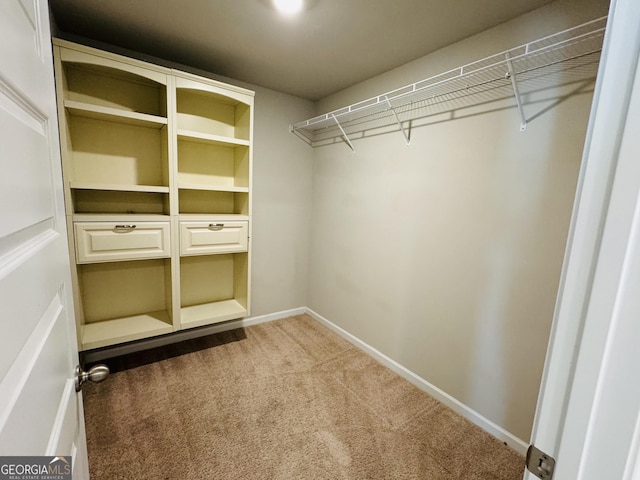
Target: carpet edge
x,y
457,406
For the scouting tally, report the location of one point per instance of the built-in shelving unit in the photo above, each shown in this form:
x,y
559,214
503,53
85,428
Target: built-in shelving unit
x,y
157,176
213,179
569,56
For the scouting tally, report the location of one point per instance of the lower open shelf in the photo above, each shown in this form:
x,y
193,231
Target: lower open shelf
x,y
213,288
126,329
124,301
208,313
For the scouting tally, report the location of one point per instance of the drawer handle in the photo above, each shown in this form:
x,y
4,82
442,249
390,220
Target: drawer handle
x,y
124,228
216,226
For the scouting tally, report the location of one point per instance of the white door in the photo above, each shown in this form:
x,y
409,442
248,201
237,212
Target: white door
x,y
589,405
40,412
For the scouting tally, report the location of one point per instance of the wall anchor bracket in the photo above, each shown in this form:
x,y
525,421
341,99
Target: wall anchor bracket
x,y
344,134
514,83
407,141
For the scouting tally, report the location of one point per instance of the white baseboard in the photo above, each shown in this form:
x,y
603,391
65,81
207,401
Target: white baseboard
x,y
454,404
274,316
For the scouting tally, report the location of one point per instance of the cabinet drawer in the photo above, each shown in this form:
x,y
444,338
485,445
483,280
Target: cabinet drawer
x,y
110,241
200,238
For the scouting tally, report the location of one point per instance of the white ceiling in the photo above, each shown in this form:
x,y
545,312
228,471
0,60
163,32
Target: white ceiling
x,y
333,44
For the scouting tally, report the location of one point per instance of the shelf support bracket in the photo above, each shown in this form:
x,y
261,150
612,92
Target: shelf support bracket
x,y
516,92
344,134
404,133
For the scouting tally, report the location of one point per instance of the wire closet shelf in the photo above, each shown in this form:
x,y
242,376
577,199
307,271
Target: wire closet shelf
x,y
563,58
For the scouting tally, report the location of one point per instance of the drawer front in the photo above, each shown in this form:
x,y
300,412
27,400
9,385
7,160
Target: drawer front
x,y
109,241
201,238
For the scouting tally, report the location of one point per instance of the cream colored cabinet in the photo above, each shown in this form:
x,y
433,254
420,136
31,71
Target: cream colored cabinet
x,y
109,241
213,131
201,238
157,181
114,133
213,175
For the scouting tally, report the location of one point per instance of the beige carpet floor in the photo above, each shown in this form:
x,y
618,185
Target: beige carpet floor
x,y
283,400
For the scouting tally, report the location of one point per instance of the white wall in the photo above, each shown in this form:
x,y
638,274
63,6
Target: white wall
x,y
282,180
446,255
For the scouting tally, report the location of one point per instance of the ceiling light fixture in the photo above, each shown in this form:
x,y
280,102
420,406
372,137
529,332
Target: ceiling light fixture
x,y
288,7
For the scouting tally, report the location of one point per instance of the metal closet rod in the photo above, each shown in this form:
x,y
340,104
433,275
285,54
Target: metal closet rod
x,y
504,58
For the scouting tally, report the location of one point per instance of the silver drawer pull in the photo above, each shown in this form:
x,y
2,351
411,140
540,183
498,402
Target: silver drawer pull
x,y
124,228
216,226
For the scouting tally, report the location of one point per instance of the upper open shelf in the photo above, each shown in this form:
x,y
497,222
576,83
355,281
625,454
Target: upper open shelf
x,y
568,56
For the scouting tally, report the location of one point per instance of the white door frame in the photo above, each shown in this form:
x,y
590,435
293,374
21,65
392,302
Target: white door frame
x,y
595,290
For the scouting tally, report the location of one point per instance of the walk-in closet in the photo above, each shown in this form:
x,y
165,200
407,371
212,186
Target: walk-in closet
x,y
382,199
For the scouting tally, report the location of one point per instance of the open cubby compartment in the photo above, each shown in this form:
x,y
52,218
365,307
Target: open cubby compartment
x,y
95,80
213,288
212,165
119,202
100,153
213,202
124,301
212,113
